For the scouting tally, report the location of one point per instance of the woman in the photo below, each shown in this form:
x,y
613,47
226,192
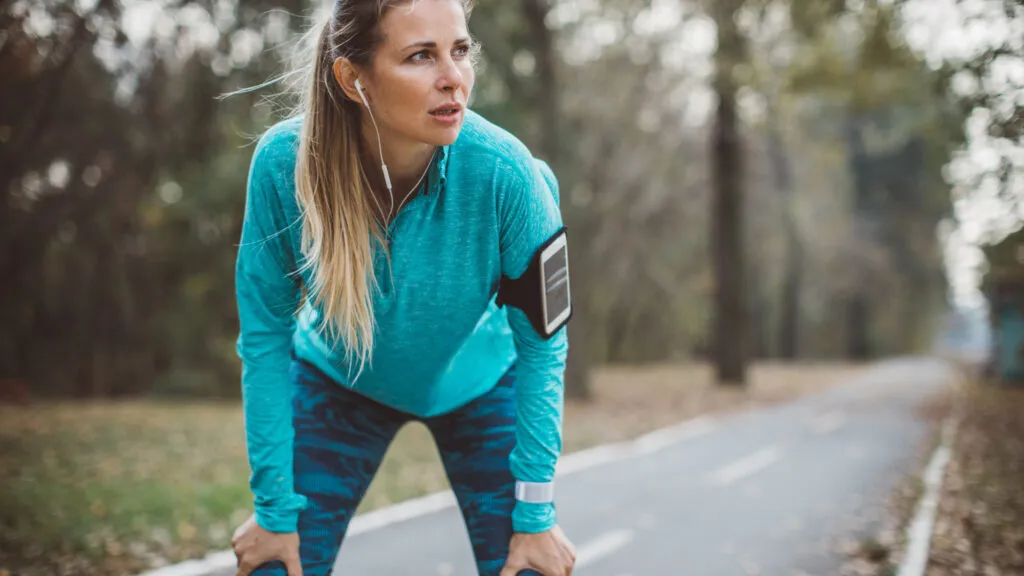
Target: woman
x,y
362,309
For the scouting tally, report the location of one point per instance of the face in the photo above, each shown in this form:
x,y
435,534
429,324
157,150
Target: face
x,y
421,75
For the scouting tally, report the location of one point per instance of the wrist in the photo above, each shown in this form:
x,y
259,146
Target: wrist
x,y
278,516
277,522
535,492
533,517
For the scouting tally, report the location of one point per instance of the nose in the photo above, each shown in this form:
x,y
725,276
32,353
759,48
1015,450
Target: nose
x,y
450,77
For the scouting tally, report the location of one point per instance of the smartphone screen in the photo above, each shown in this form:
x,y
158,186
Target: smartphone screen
x,y
556,286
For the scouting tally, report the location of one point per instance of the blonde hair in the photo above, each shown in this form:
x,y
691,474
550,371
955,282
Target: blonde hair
x,y
339,226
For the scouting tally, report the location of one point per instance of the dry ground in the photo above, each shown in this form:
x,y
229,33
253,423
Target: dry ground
x,y
117,488
979,527
880,553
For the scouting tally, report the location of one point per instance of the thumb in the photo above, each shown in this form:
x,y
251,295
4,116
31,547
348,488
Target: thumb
x,y
293,565
511,569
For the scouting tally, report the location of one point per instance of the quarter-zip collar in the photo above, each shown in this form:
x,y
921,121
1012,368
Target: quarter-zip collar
x,y
438,172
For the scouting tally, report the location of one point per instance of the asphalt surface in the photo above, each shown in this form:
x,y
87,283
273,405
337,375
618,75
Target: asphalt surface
x,y
770,492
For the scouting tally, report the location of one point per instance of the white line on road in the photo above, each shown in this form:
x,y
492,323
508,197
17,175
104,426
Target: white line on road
x,y
746,466
828,422
213,562
416,507
919,534
646,444
661,439
402,511
602,546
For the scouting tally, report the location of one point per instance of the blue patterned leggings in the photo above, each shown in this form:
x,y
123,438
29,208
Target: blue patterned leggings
x,y
341,438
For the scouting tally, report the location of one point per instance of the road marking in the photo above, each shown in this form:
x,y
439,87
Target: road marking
x,y
438,501
646,444
746,466
213,562
661,439
400,512
828,422
602,546
919,533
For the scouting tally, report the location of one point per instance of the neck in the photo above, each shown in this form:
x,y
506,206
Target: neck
x,y
407,160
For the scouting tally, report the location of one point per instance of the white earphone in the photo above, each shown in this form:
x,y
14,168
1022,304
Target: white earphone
x,y
383,165
359,88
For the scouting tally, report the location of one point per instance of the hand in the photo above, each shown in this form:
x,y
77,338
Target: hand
x,y
254,546
549,553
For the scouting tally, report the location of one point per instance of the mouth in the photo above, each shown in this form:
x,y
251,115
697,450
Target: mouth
x,y
447,111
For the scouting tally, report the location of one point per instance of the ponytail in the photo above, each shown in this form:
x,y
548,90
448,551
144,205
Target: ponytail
x,y
334,196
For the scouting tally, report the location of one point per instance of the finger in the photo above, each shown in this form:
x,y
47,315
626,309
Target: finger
x,y
512,569
244,569
293,565
240,530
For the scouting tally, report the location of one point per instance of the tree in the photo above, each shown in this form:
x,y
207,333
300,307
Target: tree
x,y
546,100
898,128
730,329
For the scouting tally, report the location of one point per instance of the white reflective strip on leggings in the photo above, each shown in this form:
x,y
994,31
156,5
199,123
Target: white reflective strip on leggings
x,y
535,492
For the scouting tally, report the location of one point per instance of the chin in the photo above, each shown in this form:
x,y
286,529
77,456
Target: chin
x,y
445,136
442,134
449,139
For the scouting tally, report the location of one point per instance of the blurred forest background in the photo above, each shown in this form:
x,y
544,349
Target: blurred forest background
x,y
797,163
749,184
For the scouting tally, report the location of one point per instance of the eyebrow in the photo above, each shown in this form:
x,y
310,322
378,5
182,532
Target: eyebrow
x,y
432,44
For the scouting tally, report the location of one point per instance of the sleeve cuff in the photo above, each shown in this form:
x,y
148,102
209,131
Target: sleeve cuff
x,y
281,518
532,517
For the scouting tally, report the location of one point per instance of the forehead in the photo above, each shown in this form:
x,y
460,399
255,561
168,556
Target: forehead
x,y
423,21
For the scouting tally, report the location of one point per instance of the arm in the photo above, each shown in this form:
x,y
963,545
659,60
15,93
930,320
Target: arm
x,y
268,294
529,215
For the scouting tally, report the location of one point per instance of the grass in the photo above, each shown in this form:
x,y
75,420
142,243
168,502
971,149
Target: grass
x,y
120,487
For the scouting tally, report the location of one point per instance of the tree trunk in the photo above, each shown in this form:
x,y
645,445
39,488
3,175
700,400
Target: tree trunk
x,y
857,309
856,328
542,44
759,315
535,12
789,322
727,223
789,326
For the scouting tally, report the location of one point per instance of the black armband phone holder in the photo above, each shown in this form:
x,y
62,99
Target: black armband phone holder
x,y
543,291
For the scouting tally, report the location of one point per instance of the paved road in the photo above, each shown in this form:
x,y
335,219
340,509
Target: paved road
x,y
770,492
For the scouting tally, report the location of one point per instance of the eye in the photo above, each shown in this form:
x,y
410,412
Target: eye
x,y
462,51
416,57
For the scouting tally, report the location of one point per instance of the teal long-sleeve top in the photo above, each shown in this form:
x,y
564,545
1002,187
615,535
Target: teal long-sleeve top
x,y
440,340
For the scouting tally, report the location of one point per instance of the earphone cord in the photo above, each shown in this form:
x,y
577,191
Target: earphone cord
x,y
384,169
415,186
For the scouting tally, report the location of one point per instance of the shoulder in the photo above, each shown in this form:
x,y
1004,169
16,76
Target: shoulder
x,y
271,180
484,143
277,147
480,136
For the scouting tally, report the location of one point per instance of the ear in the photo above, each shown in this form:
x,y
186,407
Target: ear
x,y
345,74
